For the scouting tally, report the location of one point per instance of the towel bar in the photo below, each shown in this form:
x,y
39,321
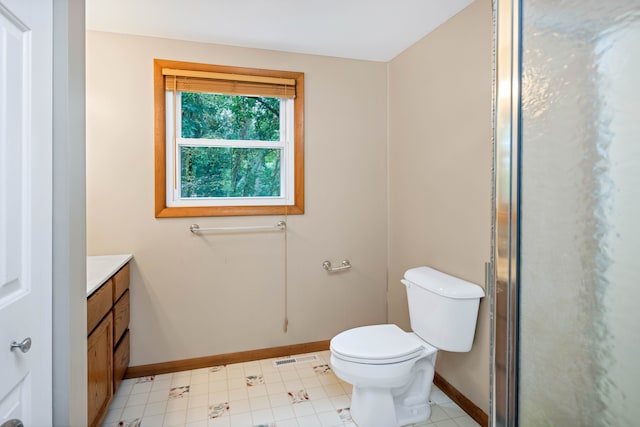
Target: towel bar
x,y
344,266
280,226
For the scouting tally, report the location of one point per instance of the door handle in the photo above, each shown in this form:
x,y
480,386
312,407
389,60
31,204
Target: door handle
x,y
24,347
12,423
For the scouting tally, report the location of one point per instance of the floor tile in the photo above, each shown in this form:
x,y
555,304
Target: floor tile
x,y
329,419
262,416
158,396
156,408
241,420
174,405
154,420
465,421
259,403
302,409
137,399
254,394
309,421
175,419
446,423
132,412
198,413
322,405
119,402
239,407
283,413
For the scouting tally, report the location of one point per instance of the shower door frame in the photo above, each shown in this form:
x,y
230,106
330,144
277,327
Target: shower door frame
x,y
506,213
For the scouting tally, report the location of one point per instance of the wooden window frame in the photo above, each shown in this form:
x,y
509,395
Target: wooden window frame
x,y
162,210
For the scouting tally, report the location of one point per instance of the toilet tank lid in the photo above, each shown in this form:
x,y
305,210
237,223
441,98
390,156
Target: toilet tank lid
x,y
442,284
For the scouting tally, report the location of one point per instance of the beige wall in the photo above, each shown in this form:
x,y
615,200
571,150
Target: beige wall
x,y
204,295
440,174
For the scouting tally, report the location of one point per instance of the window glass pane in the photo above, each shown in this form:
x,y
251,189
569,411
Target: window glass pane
x,y
229,172
215,116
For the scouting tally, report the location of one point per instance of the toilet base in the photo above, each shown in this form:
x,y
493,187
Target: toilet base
x,y
372,407
415,414
383,407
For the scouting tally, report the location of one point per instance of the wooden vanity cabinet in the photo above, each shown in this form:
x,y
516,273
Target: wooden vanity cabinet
x,y
107,343
98,305
120,324
120,360
100,370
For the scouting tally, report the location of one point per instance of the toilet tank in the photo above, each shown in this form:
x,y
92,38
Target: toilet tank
x,y
443,309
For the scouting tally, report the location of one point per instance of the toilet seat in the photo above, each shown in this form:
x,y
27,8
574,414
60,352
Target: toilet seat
x,y
377,345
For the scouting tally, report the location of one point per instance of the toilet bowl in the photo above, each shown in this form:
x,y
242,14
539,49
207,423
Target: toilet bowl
x,y
392,370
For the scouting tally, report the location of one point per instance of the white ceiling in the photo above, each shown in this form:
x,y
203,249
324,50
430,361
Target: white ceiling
x,y
375,30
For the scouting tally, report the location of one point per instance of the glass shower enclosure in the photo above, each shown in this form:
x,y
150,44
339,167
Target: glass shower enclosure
x,y
566,259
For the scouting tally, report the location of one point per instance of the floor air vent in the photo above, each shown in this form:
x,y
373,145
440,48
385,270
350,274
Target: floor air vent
x,y
295,360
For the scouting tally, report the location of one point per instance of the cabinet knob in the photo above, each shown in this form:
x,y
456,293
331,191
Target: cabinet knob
x,y
12,423
24,347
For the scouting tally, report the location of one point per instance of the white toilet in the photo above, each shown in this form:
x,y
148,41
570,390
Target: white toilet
x,y
392,370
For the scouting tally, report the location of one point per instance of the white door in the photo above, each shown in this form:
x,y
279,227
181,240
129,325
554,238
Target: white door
x,y
25,210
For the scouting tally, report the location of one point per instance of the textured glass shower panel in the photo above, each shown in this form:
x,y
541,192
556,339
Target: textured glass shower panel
x,y
580,205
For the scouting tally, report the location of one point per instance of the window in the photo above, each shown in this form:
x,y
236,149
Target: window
x,y
228,140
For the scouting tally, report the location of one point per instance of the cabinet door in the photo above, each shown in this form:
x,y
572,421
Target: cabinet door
x,y
120,360
120,282
99,304
100,370
120,317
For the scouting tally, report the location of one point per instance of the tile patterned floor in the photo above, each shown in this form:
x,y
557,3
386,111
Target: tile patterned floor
x,y
252,394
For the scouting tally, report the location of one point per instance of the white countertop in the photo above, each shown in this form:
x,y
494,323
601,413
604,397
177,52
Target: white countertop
x,y
100,268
